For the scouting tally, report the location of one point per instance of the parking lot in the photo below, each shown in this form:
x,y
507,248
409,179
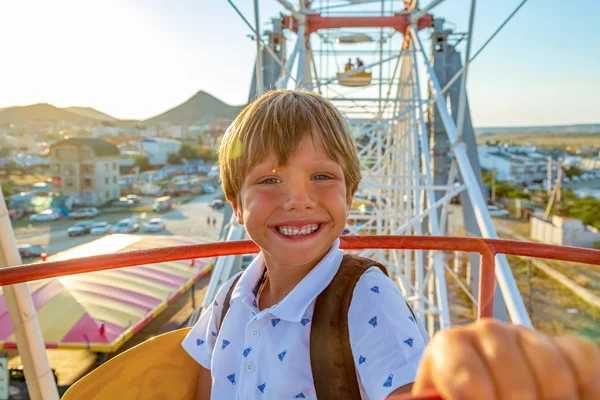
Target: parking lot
x,y
185,219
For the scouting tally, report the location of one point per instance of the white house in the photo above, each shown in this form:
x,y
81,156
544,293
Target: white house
x,y
156,149
106,130
512,165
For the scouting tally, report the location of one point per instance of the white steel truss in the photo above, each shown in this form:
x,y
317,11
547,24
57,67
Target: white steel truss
x,y
401,192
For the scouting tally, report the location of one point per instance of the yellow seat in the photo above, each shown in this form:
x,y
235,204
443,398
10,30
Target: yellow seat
x,y
359,79
159,368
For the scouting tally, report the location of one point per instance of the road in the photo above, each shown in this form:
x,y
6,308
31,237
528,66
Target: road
x,y
187,220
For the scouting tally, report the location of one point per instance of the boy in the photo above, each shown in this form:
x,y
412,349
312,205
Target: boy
x,y
289,167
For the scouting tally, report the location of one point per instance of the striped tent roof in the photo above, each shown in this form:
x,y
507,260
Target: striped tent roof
x,y
72,309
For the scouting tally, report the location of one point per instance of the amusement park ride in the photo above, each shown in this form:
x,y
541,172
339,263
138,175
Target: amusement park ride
x,y
409,111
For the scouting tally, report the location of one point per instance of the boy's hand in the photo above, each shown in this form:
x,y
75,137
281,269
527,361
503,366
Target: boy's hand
x,y
492,360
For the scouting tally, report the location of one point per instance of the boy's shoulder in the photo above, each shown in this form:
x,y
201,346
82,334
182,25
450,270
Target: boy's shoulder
x,y
228,286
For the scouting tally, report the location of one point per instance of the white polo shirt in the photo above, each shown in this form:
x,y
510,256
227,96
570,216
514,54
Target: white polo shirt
x,y
266,354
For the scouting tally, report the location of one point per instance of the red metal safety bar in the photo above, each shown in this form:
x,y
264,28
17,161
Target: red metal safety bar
x,y
487,248
399,21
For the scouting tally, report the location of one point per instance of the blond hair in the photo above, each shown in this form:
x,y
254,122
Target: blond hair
x,y
277,121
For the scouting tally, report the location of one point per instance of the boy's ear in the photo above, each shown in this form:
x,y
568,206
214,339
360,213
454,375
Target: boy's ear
x,y
237,211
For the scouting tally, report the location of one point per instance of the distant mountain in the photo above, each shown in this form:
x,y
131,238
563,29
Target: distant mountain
x,y
579,128
43,112
90,113
201,108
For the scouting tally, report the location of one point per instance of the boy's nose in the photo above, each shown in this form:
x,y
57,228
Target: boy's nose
x,y
298,197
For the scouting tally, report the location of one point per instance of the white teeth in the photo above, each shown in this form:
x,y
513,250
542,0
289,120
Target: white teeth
x,y
291,231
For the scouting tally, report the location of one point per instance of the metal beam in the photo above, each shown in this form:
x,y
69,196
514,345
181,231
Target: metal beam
x,y
506,280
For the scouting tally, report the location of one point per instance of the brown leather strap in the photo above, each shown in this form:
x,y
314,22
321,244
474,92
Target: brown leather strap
x,y
227,300
331,358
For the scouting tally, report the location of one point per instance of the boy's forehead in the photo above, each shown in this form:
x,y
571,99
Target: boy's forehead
x,y
272,160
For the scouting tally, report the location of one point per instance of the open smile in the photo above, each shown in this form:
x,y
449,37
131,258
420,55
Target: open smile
x,y
298,232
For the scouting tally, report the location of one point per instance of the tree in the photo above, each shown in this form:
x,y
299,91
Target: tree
x,y
5,151
9,168
6,190
174,158
208,154
573,171
141,162
189,152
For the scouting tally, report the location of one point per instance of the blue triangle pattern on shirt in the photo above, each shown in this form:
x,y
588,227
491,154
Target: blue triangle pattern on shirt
x,y
300,396
412,318
275,321
225,344
361,360
199,342
231,378
215,303
213,333
247,351
375,289
281,355
388,381
262,387
409,342
254,303
373,321
305,321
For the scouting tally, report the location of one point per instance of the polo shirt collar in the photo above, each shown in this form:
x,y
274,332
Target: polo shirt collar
x,y
293,307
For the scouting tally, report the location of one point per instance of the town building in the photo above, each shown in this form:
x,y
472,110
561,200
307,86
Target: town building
x,y
106,129
156,149
516,165
87,169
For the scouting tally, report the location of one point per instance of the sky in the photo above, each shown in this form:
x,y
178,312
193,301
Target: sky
x,y
134,59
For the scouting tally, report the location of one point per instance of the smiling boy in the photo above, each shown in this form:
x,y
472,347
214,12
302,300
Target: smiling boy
x,y
289,167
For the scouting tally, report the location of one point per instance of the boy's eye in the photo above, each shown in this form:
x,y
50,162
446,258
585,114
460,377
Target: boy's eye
x,y
270,181
321,177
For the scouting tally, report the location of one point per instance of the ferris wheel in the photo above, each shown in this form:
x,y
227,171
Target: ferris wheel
x,y
395,70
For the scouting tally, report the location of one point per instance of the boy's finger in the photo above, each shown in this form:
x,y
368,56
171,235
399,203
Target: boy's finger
x,y
554,377
499,348
584,359
454,368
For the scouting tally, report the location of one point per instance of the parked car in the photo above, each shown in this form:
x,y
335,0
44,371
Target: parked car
x,y
366,208
134,197
46,215
80,229
497,212
208,188
162,204
217,204
31,250
122,202
81,213
100,228
126,226
154,225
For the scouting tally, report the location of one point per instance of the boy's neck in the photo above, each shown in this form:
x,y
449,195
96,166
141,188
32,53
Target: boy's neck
x,y
282,279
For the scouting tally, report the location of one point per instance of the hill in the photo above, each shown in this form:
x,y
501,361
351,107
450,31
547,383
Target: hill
x,y
41,112
90,113
201,108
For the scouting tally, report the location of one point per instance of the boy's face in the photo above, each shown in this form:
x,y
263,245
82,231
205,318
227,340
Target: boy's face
x,y
294,212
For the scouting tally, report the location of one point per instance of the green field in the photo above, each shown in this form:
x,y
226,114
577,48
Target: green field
x,y
544,139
